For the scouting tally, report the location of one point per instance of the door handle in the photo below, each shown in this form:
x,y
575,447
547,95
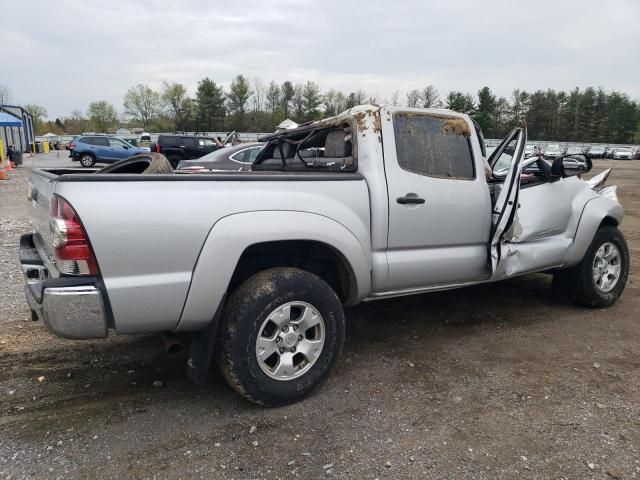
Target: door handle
x,y
410,198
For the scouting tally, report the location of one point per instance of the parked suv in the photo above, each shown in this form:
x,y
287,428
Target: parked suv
x,y
92,149
184,147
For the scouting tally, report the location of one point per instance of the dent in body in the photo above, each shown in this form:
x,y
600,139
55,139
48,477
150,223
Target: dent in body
x,y
559,220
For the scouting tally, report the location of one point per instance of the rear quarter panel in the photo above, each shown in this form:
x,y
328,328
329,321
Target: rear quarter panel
x,y
147,235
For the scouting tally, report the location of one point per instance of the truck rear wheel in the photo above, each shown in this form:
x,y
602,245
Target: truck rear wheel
x,y
281,335
599,279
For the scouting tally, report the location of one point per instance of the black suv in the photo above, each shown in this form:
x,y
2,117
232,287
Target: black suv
x,y
184,147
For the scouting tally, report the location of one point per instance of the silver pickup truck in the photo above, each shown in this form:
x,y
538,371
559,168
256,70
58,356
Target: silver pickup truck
x,y
251,270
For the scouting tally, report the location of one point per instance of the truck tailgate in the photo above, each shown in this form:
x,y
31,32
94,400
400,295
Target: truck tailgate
x,y
40,190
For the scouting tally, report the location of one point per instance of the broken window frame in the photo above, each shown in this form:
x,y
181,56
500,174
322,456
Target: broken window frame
x,y
302,137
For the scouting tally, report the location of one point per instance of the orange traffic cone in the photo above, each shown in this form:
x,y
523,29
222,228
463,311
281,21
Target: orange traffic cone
x,y
8,168
3,173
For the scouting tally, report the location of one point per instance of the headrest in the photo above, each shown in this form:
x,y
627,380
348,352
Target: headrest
x,y
335,145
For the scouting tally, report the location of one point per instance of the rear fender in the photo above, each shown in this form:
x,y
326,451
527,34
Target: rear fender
x,y
233,234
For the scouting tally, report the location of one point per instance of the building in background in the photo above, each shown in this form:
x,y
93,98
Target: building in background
x,y
21,136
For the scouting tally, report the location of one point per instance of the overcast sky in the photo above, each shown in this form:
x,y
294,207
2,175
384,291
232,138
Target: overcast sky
x,y
64,54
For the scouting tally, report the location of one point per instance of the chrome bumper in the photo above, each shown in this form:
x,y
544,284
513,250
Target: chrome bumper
x,y
71,307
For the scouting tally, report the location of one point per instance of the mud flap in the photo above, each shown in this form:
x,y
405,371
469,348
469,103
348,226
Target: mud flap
x,y
504,217
201,347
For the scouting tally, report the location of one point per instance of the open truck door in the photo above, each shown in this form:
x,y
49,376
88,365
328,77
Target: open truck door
x,y
506,163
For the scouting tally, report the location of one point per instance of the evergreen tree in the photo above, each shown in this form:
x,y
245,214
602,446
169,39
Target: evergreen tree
x,y
287,93
312,100
460,102
485,113
210,109
237,98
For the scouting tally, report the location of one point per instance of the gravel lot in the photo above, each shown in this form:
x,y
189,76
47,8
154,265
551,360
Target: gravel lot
x,y
488,382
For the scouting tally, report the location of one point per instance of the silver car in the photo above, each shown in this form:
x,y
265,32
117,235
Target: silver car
x,y
622,153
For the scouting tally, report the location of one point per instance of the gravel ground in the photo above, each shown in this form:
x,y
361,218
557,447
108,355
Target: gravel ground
x,y
488,382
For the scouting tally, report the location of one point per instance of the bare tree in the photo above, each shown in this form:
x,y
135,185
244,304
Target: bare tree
x,y
5,94
103,116
297,102
395,99
430,97
258,95
257,101
334,103
413,98
174,97
142,103
360,97
76,122
37,114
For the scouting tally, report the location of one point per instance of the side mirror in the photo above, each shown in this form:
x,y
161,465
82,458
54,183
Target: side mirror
x,y
571,165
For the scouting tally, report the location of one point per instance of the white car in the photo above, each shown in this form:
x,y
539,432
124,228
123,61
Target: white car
x,y
530,151
552,151
597,151
622,154
574,151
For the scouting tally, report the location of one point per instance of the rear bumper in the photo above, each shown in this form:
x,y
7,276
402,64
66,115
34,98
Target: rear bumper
x,y
70,307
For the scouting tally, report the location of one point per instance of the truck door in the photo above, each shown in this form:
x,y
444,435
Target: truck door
x,y
439,203
504,215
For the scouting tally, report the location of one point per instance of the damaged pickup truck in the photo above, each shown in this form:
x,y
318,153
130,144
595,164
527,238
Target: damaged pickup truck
x,y
374,203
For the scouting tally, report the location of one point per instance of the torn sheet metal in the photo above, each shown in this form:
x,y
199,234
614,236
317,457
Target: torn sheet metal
x,y
599,180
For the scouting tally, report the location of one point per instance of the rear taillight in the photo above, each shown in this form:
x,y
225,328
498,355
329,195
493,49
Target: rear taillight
x,y
157,148
70,243
72,145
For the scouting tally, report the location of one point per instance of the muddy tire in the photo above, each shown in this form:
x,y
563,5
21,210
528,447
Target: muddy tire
x,y
281,335
159,164
144,163
600,278
87,160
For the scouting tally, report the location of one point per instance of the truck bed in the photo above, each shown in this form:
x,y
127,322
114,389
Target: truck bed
x,y
148,231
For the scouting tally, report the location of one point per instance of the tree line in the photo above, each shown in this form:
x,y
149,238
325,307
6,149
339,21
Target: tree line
x,y
588,115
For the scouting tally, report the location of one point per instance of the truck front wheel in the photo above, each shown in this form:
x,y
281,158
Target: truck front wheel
x,y
599,279
281,335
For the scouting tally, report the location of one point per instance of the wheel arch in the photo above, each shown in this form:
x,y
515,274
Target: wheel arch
x,y
243,244
597,213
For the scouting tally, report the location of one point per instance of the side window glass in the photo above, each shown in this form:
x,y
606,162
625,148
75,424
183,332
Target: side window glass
x,y
169,141
115,143
188,141
101,141
503,162
240,156
205,142
253,153
433,146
